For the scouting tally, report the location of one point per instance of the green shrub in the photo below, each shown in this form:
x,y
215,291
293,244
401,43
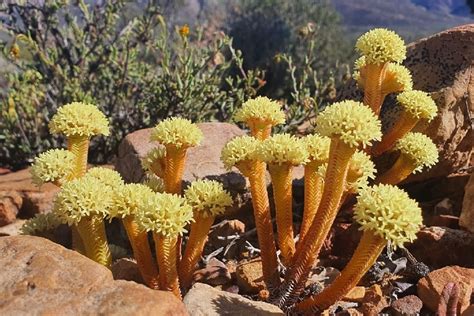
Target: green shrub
x,y
119,56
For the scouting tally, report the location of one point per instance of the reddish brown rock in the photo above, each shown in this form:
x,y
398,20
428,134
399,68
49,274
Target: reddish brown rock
x,y
469,311
430,288
249,276
10,204
449,221
407,306
441,246
374,301
215,273
126,269
42,278
466,220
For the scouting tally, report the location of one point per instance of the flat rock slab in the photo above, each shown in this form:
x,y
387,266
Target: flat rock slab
x,y
204,300
39,277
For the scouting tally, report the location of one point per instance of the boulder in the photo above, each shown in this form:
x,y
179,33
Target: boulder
x,y
204,300
466,220
443,65
441,246
430,288
40,277
202,161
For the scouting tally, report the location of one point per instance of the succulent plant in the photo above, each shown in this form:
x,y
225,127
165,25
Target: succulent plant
x,y
55,166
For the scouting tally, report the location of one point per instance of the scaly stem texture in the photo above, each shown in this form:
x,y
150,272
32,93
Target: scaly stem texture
x,y
367,252
166,257
308,249
400,170
79,146
283,197
259,130
174,162
402,126
194,247
313,189
373,87
263,222
141,252
92,231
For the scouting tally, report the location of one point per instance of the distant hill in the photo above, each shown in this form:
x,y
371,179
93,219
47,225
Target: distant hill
x,y
410,18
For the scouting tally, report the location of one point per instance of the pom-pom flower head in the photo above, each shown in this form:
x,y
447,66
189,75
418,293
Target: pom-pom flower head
x,y
107,176
82,197
418,104
208,197
361,169
154,161
419,149
351,121
130,199
168,215
397,78
42,222
261,111
380,46
156,184
282,149
317,147
55,165
79,119
389,212
239,149
177,132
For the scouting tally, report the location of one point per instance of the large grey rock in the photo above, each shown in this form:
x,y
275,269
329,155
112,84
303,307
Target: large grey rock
x,y
204,300
39,277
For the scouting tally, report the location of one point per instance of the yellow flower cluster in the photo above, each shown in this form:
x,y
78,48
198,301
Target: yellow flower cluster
x,y
262,110
55,165
241,148
354,123
107,176
418,103
156,184
364,168
177,132
389,212
130,199
40,223
152,162
79,119
82,197
317,147
168,215
418,148
380,46
401,75
208,197
282,149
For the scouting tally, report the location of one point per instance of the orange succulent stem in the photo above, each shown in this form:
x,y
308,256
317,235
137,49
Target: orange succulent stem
x,y
402,126
166,257
174,162
259,130
141,252
194,247
77,243
400,170
283,197
263,222
79,146
313,189
367,252
373,97
92,232
308,249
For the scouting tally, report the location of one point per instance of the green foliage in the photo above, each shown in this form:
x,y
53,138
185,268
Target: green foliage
x,y
119,56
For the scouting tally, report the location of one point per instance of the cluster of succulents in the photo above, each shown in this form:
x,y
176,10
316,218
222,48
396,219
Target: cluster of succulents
x,y
337,163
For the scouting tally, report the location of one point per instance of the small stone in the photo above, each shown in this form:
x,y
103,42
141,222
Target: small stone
x,y
374,301
204,300
12,229
431,286
215,273
444,207
249,276
350,312
466,220
126,269
407,306
357,294
223,229
10,205
445,221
